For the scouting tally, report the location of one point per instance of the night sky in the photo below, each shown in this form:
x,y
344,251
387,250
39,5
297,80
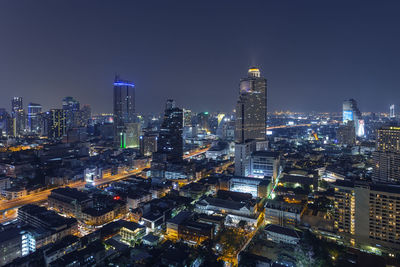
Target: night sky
x,y
314,54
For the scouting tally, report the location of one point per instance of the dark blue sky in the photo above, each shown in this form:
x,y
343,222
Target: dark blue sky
x,y
314,54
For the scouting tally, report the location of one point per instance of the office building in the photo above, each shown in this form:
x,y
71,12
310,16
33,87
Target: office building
x,y
33,117
56,125
392,113
132,134
85,115
5,123
387,155
251,108
71,110
170,142
148,143
187,117
265,164
367,214
243,151
351,113
18,116
124,109
346,134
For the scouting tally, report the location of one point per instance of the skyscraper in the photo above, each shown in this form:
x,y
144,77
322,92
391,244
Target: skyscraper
x,y
352,113
124,109
5,121
18,116
251,108
71,109
392,112
251,119
56,123
170,140
33,117
387,155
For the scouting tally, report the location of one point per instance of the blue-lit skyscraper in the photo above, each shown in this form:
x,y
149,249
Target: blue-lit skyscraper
x,y
124,109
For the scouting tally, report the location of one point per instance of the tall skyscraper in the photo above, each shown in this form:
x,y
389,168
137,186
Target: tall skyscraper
x,y
170,140
392,112
387,155
351,113
251,108
18,116
5,122
124,109
85,115
56,123
251,119
71,109
33,117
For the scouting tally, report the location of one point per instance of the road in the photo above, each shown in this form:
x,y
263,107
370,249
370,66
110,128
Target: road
x,y
42,195
196,152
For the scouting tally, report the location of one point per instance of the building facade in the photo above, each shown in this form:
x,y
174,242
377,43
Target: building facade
x,y
251,108
387,155
368,214
124,109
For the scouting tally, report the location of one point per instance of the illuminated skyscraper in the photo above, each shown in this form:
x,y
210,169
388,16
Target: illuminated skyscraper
x,y
170,140
71,109
392,112
251,108
5,122
124,109
352,113
33,117
18,116
387,155
56,123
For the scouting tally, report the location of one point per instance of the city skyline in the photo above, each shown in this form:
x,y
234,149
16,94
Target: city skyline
x,y
321,54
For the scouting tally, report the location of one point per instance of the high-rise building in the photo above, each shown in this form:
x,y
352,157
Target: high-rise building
x,y
33,117
203,120
148,143
56,123
392,112
351,113
243,153
367,214
346,134
387,155
124,109
71,109
5,122
18,116
187,117
85,115
251,108
16,104
170,141
132,134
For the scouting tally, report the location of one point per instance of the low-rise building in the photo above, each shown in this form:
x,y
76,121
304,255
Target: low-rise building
x,y
69,201
184,227
282,213
280,234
